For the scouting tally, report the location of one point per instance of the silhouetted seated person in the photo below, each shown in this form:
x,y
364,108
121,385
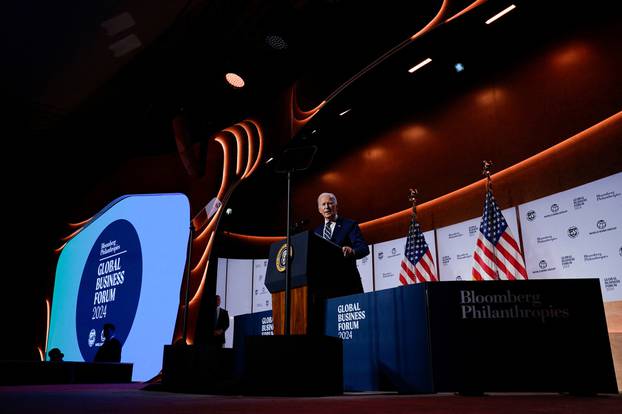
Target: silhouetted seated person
x,y
55,355
110,350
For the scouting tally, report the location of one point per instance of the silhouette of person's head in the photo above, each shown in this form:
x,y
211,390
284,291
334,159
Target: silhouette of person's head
x,y
108,330
217,298
55,355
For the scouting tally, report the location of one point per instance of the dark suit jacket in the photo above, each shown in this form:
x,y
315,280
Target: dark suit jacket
x,y
221,323
347,233
110,351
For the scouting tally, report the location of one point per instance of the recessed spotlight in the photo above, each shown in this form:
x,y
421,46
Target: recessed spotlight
x,y
419,65
345,112
276,42
314,131
234,80
459,67
501,13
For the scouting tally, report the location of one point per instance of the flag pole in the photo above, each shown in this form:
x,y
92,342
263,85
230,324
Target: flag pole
x,y
486,166
412,197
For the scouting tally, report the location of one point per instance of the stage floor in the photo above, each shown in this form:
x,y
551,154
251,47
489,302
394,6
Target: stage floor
x,y
132,399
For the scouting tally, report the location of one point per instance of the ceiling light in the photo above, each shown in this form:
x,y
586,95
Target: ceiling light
x,y
276,42
345,112
419,65
234,80
501,13
459,67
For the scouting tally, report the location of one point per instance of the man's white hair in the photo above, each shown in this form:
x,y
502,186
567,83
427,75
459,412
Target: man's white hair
x,y
331,195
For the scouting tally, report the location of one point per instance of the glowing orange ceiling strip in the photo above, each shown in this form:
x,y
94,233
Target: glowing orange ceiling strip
x,y
197,294
251,147
57,251
82,223
466,9
225,165
208,228
432,22
238,141
260,239
205,255
47,328
260,152
40,354
66,238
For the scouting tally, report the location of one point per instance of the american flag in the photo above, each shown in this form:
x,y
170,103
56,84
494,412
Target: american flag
x,y
417,264
497,255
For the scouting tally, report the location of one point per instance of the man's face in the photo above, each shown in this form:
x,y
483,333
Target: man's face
x,y
217,301
327,207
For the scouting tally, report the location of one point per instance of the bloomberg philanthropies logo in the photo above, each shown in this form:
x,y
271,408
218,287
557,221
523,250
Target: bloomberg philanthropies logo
x,y
508,305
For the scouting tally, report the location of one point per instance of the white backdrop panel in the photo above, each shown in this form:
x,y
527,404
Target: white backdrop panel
x,y
366,270
262,299
221,281
577,233
239,292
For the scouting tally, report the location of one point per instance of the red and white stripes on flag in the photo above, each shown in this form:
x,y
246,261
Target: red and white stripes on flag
x,y
417,265
497,255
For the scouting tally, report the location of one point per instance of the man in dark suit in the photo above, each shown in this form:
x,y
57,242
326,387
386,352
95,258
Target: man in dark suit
x,y
341,231
221,323
110,350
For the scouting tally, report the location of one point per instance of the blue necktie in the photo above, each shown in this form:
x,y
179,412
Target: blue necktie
x,y
327,232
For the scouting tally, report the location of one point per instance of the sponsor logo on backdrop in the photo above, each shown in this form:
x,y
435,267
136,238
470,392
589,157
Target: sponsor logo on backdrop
x,y
544,267
567,261
394,253
546,239
388,274
454,235
509,305
458,277
579,202
611,283
92,335
601,225
256,292
463,256
380,255
555,211
620,251
607,195
594,256
267,328
531,215
573,232
349,317
365,259
445,260
267,302
473,230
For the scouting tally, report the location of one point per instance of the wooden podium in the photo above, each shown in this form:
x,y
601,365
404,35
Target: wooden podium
x,y
318,271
